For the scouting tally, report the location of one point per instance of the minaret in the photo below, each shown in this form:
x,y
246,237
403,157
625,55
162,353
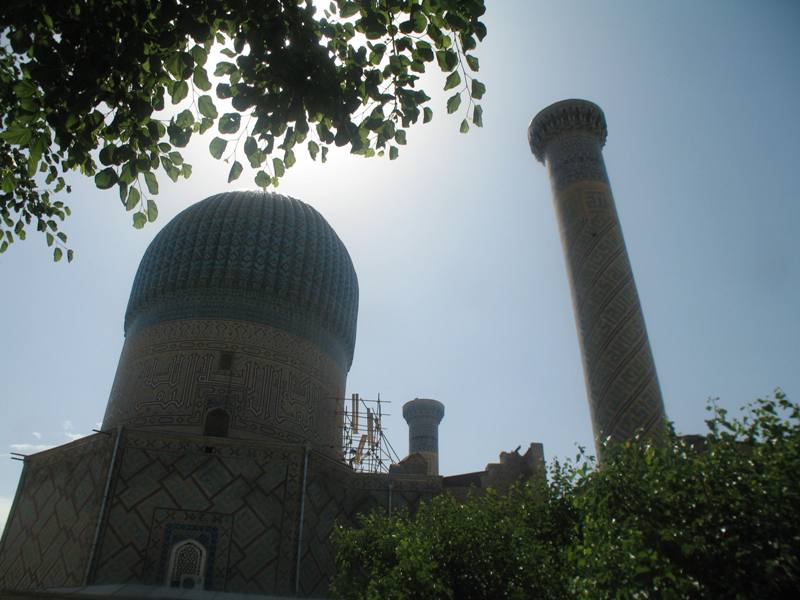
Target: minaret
x,y
621,380
423,416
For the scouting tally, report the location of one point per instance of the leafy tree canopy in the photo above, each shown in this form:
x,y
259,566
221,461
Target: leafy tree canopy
x,y
712,516
115,88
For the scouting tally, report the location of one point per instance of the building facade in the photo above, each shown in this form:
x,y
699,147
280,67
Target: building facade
x,y
220,461
221,464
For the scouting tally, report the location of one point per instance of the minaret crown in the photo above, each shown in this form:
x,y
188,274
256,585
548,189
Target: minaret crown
x,y
562,117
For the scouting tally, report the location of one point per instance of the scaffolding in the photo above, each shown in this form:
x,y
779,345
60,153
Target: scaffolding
x,y
366,447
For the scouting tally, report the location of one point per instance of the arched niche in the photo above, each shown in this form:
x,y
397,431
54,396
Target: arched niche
x,y
187,565
217,423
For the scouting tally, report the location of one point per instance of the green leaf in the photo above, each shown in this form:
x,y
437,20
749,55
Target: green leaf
x,y
452,80
139,220
151,181
250,146
200,79
133,199
427,114
17,134
262,179
229,123
184,119
25,89
223,91
57,254
107,155
179,91
173,64
217,147
473,62
70,255
420,22
348,9
288,159
477,115
128,173
393,152
205,124
464,126
199,54
313,149
400,136
205,105
453,102
152,211
236,170
478,89
277,165
49,237
105,178
447,59
224,68
172,172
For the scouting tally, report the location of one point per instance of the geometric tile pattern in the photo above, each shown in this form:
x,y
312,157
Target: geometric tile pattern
x,y
52,523
239,495
239,498
621,380
252,256
172,526
276,385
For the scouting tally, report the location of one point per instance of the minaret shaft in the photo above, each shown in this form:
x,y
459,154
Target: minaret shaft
x,y
621,380
423,416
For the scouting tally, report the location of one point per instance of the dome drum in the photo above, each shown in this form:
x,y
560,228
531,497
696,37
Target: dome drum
x,y
244,305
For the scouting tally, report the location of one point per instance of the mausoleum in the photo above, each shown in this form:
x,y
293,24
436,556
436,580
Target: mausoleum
x,y
230,448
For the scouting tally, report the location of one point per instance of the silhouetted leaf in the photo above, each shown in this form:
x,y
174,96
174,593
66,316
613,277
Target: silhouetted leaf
x,y
453,102
217,147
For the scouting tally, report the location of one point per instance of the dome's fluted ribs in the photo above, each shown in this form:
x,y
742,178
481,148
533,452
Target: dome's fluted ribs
x,y
298,257
326,277
251,256
306,262
183,262
320,280
313,267
286,250
257,217
274,242
262,246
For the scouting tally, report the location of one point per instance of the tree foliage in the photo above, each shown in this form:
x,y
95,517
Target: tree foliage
x,y
114,89
493,546
716,516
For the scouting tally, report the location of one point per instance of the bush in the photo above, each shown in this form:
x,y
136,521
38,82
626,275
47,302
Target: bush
x,y
715,516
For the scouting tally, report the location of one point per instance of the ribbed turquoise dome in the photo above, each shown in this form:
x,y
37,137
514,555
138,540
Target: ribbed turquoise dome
x,y
251,256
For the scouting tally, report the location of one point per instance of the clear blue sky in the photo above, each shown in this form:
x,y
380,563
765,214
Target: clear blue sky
x,y
464,295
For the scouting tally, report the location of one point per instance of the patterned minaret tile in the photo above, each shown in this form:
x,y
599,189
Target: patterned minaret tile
x,y
621,380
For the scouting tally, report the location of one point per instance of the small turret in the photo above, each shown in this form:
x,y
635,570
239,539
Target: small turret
x,y
423,416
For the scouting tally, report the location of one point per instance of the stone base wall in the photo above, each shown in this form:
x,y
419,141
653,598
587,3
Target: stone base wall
x,y
240,499
52,524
